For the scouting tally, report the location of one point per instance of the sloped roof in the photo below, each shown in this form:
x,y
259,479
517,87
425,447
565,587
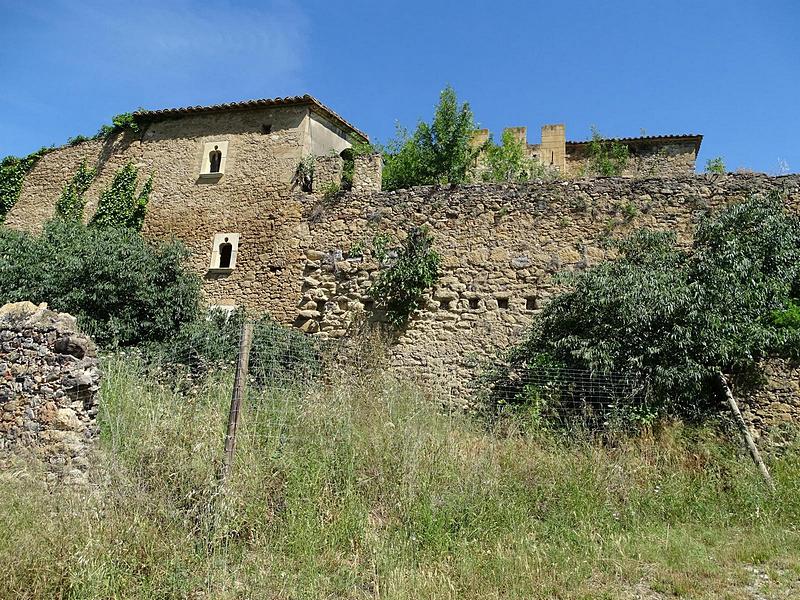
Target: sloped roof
x,y
304,100
688,137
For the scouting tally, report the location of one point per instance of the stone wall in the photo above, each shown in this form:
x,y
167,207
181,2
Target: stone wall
x,y
500,245
771,404
667,159
49,382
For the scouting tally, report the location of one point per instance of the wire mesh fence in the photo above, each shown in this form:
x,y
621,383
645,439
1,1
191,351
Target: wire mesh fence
x,y
563,394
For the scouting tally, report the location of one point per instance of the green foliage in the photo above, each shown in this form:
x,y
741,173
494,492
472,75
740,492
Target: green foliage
x,y
120,205
304,174
122,289
380,245
367,489
437,153
510,162
13,171
78,139
607,158
120,122
672,317
71,203
401,285
715,165
358,148
629,211
279,354
330,191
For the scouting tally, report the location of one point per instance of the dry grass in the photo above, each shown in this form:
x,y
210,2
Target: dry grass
x,y
365,490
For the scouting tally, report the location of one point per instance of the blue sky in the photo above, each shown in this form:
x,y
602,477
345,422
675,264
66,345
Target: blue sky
x,y
729,70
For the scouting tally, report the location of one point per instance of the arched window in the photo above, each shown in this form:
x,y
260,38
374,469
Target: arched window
x,y
225,252
215,160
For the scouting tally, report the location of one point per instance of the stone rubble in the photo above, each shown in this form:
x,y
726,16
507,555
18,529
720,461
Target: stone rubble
x,y
49,385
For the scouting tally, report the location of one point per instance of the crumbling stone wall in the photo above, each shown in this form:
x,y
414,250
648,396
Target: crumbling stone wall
x,y
500,247
49,383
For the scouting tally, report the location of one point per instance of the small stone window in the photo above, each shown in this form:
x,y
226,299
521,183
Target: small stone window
x,y
502,303
215,155
473,303
531,303
224,251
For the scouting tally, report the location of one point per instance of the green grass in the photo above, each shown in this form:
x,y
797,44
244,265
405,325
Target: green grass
x,y
362,489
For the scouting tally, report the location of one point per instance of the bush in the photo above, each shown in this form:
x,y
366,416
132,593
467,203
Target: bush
x,y
440,152
123,289
401,285
675,318
715,165
211,342
608,158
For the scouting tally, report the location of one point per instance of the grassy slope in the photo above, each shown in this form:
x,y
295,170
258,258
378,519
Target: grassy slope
x,y
364,490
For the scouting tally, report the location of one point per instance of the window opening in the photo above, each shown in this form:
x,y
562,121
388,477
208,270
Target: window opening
x,y
225,252
215,159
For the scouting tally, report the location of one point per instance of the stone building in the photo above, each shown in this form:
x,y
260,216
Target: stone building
x,y
226,183
650,156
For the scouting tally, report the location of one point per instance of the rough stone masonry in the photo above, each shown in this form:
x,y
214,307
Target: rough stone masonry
x,y
49,384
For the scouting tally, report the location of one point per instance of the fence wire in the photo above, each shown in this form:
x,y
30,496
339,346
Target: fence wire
x,y
563,394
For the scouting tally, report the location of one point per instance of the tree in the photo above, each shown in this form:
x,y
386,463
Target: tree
x,y
440,152
120,205
674,318
510,162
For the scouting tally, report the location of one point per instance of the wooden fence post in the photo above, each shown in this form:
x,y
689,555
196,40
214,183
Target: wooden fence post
x,y
751,445
239,387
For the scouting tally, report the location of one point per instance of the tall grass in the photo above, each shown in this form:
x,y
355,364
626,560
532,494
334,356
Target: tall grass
x,y
363,489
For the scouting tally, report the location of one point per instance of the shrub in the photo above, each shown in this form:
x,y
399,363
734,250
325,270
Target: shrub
x,y
674,318
401,285
608,158
71,203
120,205
119,123
715,165
439,152
123,289
211,342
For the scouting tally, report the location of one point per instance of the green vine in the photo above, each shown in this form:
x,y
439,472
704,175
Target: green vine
x,y
71,203
13,171
401,285
120,205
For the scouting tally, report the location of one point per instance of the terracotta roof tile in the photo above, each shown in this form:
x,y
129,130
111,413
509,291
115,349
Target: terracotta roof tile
x,y
305,99
695,137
